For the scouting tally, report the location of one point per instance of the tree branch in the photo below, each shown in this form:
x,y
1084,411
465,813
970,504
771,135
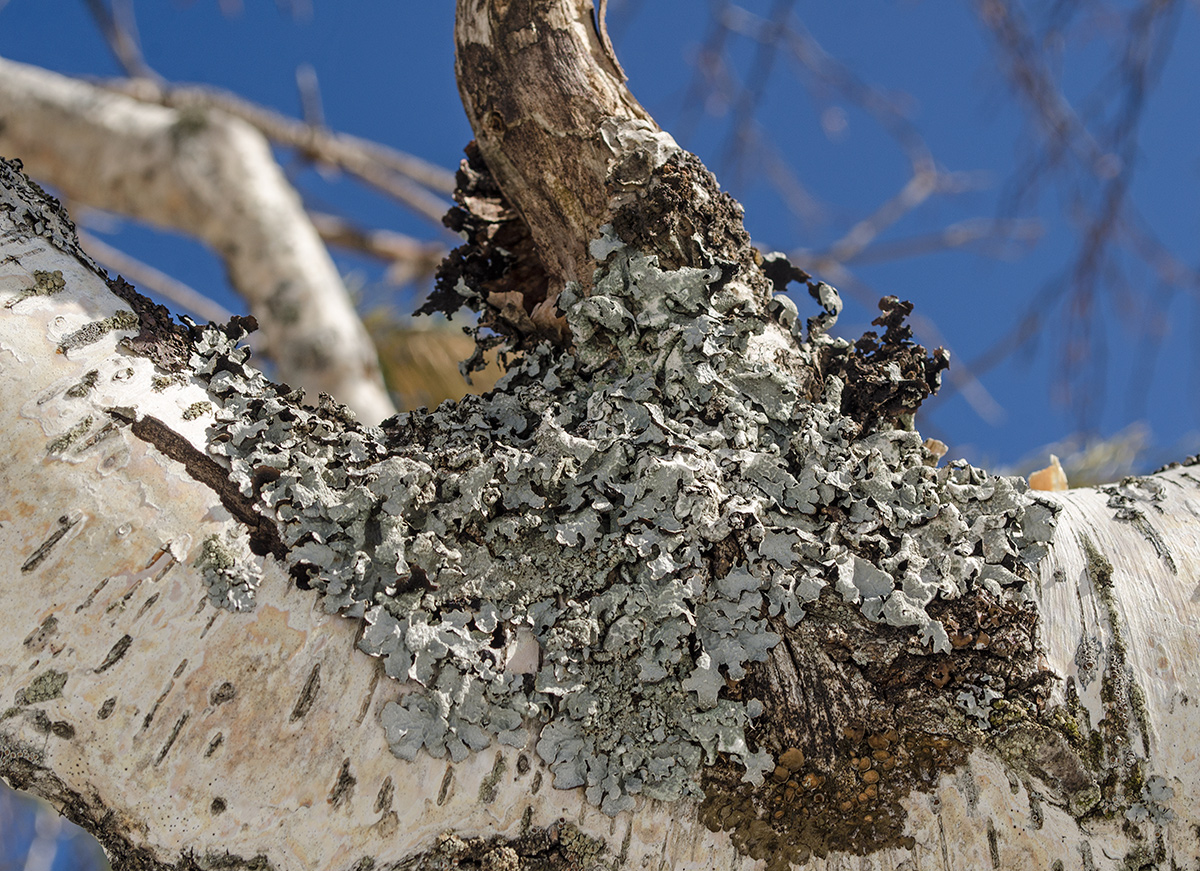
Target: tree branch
x,y
693,584
409,180
546,101
214,177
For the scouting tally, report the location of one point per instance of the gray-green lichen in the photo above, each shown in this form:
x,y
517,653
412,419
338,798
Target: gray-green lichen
x,y
44,284
61,442
976,703
1134,500
84,386
46,686
92,332
160,383
196,410
230,571
1153,803
33,212
598,546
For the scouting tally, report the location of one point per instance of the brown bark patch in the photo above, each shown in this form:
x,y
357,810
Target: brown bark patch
x,y
873,394
682,215
861,714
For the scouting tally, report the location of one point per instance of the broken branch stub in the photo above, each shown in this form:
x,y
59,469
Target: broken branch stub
x,y
539,88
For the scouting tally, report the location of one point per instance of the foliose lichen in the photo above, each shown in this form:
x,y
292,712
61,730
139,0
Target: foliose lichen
x,y
229,569
601,545
1153,803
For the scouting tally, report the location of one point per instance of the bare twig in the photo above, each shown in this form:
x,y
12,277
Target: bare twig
x,y
213,177
310,96
768,37
407,179
994,238
408,259
1089,152
119,28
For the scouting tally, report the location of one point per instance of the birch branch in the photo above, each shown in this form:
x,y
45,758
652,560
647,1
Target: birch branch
x,y
689,593
212,177
409,180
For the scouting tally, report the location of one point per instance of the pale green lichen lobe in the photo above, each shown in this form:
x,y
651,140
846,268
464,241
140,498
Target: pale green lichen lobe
x,y
46,686
230,570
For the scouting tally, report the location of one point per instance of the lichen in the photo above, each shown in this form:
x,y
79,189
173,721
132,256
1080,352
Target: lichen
x,y
196,410
638,513
976,702
33,212
560,846
84,386
1134,499
44,284
490,784
15,753
1153,803
1120,741
46,686
92,332
159,383
61,442
230,570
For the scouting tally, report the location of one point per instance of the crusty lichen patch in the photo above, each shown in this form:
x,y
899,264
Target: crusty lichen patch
x,y
92,332
647,514
1114,749
46,686
864,714
230,571
44,284
561,846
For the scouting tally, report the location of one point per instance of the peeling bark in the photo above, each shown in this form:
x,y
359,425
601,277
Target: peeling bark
x,y
688,593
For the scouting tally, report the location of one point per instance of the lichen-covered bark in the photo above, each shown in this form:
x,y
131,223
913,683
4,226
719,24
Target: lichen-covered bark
x,y
688,591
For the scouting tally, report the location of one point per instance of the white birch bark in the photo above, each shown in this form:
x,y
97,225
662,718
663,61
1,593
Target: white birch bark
x,y
213,177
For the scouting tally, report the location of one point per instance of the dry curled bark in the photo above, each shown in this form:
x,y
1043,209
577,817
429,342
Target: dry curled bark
x,y
677,595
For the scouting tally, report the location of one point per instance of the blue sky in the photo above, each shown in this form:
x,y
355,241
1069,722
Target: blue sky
x,y
386,72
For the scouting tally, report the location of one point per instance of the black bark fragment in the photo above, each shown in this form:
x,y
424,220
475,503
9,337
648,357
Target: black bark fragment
x,y
264,537
886,379
497,272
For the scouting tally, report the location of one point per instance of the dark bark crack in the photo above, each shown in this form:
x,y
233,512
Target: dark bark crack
x,y
264,537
